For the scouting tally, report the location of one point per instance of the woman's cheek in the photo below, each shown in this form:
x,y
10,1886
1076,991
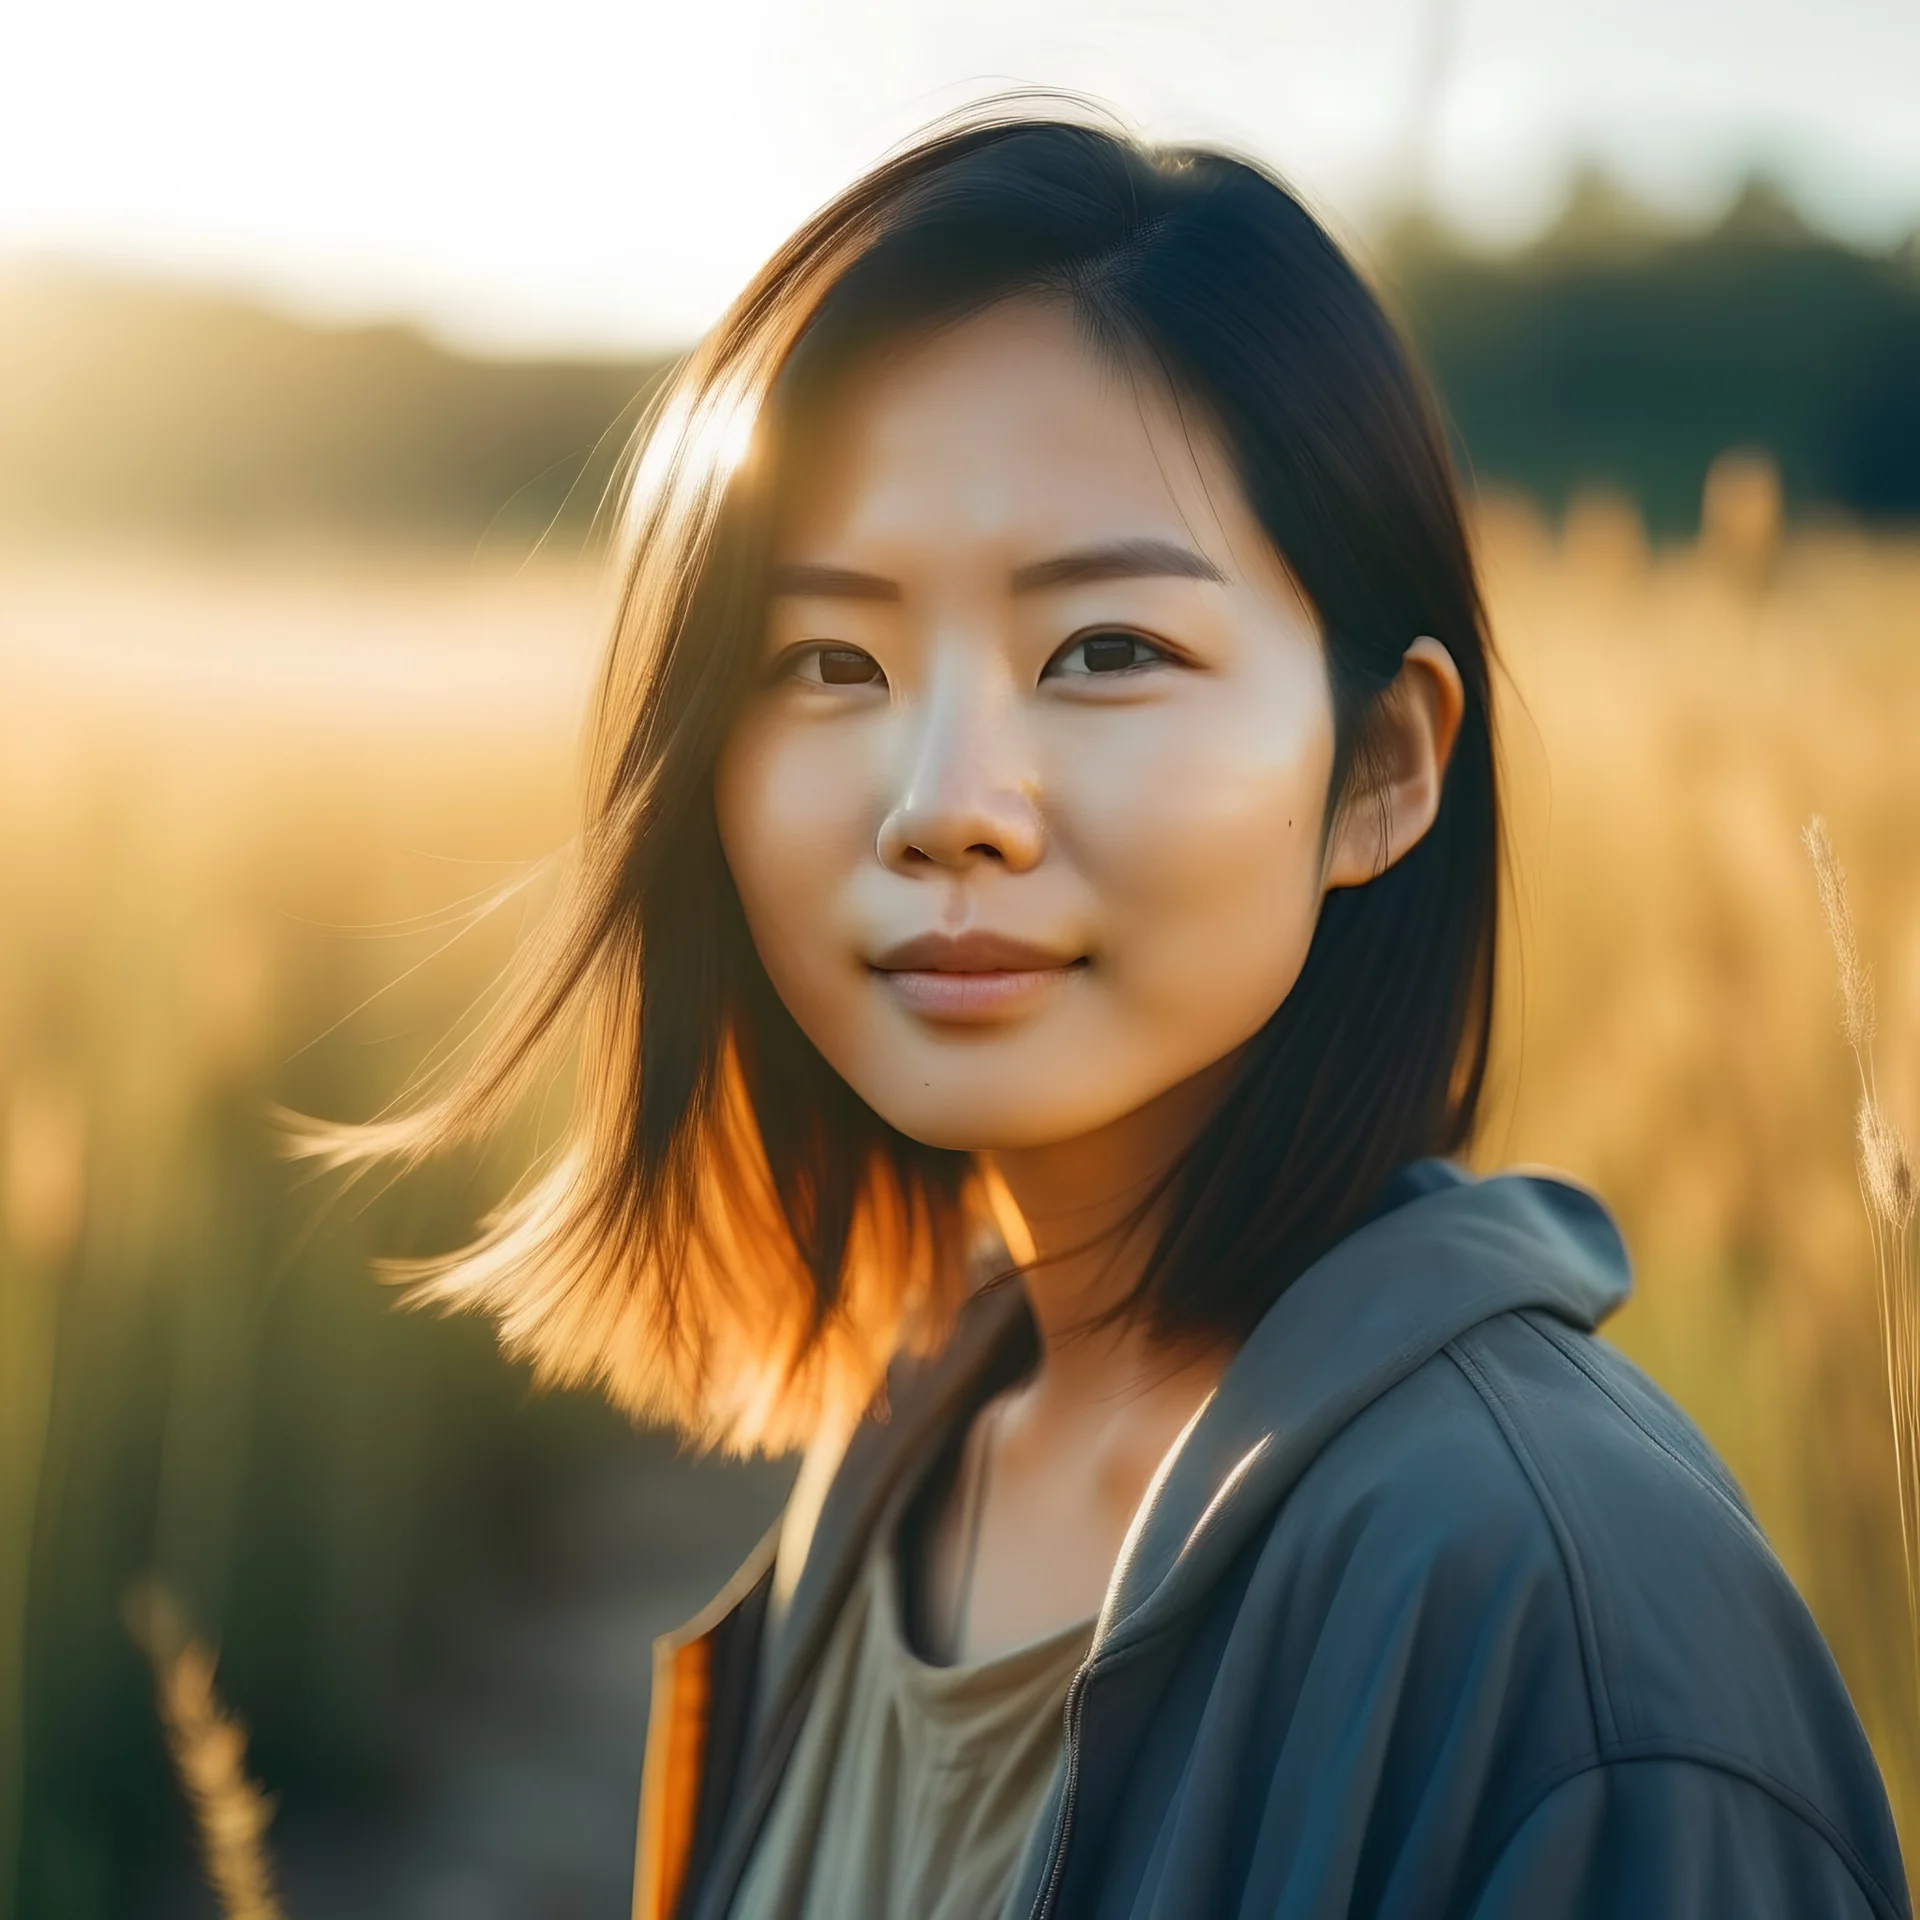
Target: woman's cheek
x,y
1205,856
794,821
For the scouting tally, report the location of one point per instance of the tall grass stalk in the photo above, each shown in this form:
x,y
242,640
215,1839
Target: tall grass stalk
x,y
209,1750
1888,1189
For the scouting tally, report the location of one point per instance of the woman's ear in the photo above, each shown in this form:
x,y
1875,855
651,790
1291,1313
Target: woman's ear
x,y
1394,792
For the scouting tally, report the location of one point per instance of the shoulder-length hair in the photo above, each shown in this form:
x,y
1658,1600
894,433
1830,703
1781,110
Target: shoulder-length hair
x,y
728,1237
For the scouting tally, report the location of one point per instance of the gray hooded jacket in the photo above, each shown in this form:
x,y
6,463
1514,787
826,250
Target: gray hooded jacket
x,y
1443,1610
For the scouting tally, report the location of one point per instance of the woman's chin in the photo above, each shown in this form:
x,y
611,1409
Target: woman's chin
x,y
1004,1119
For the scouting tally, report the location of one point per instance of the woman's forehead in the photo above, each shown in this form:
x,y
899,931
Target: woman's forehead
x,y
1009,420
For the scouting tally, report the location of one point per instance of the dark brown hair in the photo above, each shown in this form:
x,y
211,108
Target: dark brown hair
x,y
731,1238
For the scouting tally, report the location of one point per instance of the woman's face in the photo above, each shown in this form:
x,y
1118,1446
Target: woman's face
x,y
1025,811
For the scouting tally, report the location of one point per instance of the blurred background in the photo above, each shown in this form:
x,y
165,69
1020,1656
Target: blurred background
x,y
320,335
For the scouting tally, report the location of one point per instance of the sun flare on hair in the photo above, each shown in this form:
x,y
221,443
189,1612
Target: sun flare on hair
x,y
697,438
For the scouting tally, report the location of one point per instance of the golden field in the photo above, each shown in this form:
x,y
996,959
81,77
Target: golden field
x,y
247,803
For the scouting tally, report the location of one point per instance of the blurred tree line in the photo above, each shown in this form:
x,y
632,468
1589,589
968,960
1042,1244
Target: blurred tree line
x,y
1619,351
135,404
1615,348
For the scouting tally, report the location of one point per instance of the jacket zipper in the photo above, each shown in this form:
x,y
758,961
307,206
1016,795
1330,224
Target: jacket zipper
x,y
1077,1686
1070,1785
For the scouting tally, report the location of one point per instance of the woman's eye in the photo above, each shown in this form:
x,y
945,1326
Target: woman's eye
x,y
835,666
847,666
1104,653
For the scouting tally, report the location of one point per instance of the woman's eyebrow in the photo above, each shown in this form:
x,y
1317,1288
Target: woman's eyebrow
x,y
1113,560
1117,560
830,583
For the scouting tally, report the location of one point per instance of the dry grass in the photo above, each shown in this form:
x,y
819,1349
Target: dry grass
x,y
1887,1187
241,805
209,1751
241,759
1667,1036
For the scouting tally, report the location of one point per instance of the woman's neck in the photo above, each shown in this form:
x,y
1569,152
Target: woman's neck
x,y
1073,1449
1086,1208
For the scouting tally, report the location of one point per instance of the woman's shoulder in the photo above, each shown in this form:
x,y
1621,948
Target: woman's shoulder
x,y
1530,1480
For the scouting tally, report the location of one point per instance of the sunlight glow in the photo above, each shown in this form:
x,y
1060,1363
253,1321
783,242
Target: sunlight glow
x,y
593,175
685,448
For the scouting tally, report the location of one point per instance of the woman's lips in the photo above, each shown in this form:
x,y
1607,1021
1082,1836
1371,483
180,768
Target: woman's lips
x,y
972,976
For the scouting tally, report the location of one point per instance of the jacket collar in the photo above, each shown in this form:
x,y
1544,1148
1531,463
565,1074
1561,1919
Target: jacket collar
x,y
924,1403
1363,1317
1360,1319
1371,1310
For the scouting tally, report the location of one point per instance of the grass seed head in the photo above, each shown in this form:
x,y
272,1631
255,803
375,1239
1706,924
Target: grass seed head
x,y
1856,983
209,1751
1886,1166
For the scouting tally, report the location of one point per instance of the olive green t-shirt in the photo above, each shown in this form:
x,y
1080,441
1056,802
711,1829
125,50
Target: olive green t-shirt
x,y
912,1787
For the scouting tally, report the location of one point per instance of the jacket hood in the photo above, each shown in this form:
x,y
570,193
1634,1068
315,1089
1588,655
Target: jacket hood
x,y
1362,1318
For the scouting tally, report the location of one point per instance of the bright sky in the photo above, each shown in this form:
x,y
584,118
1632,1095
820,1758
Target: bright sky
x,y
592,173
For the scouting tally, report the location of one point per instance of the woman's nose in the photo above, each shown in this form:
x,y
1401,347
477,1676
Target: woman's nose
x,y
968,795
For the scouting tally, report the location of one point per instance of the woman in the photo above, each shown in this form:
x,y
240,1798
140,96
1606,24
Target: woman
x,y
1042,797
